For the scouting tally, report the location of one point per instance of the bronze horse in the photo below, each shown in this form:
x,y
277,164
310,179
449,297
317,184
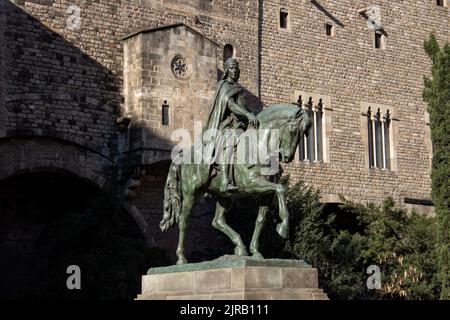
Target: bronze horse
x,y
187,182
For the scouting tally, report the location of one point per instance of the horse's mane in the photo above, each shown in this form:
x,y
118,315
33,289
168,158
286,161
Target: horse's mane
x,y
277,112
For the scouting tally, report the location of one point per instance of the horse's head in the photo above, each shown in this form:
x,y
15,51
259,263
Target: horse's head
x,y
291,122
290,136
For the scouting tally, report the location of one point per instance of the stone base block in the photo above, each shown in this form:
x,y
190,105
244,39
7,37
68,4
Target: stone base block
x,y
240,278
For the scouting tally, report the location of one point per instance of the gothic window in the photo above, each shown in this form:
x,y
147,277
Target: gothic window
x,y
379,136
311,145
165,114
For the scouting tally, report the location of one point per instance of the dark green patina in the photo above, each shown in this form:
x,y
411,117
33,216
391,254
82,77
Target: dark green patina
x,y
230,262
186,182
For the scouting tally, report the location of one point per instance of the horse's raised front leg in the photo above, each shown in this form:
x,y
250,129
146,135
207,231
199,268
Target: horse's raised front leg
x,y
283,226
188,203
261,185
259,225
220,223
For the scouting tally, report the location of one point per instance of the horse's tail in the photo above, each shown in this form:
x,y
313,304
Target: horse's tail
x,y
172,198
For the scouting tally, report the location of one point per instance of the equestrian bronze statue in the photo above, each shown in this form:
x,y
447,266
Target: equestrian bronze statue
x,y
240,155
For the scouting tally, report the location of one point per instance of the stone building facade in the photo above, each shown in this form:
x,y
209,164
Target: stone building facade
x,y
74,73
347,71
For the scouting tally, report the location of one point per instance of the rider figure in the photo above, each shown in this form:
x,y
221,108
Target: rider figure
x,y
227,111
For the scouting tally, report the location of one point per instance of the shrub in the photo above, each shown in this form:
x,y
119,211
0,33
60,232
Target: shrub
x,y
342,241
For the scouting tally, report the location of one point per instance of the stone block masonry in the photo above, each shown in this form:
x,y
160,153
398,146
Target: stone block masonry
x,y
347,68
65,83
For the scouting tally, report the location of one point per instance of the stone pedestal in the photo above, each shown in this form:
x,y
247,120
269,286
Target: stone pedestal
x,y
240,278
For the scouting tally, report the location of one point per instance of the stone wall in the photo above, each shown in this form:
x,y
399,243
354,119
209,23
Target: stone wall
x,y
63,82
54,86
347,68
66,85
172,66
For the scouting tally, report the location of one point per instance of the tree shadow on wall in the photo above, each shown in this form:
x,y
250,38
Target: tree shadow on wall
x,y
54,88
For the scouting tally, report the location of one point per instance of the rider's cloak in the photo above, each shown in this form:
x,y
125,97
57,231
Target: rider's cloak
x,y
219,111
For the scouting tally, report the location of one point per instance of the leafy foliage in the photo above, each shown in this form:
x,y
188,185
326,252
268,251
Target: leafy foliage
x,y
437,95
342,241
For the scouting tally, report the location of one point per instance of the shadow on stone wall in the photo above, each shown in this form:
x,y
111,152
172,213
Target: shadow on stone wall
x,y
55,91
58,102
59,220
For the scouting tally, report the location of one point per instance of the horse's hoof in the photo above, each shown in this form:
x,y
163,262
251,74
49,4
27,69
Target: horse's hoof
x,y
182,260
240,251
282,230
258,256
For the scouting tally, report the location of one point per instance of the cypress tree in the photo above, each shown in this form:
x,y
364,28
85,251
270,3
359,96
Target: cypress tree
x,y
437,95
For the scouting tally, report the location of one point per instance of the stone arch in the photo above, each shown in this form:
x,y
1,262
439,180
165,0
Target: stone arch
x,y
51,219
228,52
21,155
234,43
51,134
34,204
29,154
47,190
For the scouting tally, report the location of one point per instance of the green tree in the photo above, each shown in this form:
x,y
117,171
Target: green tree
x,y
402,245
343,240
437,95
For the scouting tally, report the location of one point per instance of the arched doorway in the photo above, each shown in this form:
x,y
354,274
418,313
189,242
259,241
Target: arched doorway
x,y
29,204
52,219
